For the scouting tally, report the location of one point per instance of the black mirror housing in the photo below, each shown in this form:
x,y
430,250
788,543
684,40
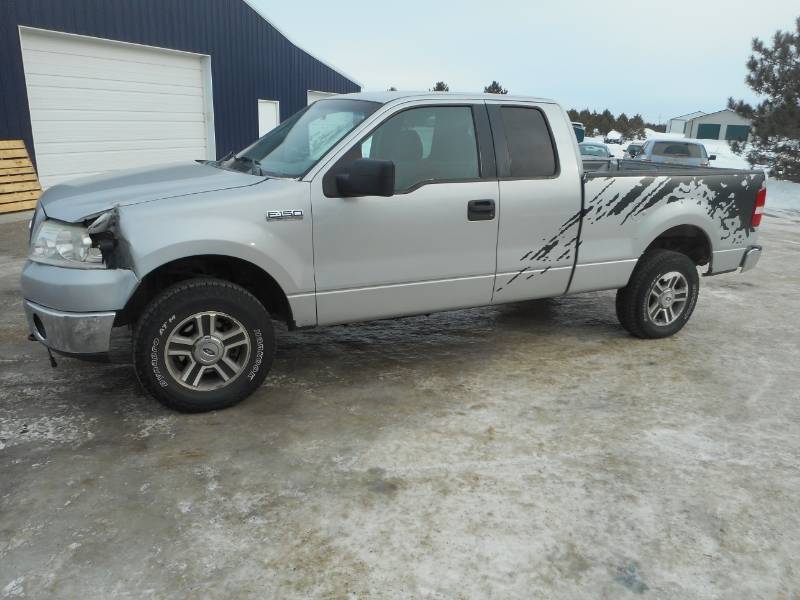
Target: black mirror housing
x,y
366,177
712,157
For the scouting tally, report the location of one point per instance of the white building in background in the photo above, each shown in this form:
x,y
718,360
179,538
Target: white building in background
x,y
724,124
678,124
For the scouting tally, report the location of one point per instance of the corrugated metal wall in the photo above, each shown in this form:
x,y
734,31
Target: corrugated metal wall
x,y
250,59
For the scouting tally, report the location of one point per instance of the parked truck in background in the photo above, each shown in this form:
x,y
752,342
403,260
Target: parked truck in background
x,y
580,131
370,206
675,152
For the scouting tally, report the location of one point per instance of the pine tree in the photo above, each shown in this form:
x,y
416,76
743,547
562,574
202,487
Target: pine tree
x,y
495,88
441,86
606,122
637,127
774,72
585,117
623,125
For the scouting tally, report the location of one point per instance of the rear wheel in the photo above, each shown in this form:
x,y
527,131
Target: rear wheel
x,y
203,344
660,296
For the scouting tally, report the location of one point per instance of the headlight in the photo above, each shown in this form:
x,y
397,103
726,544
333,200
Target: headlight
x,y
65,245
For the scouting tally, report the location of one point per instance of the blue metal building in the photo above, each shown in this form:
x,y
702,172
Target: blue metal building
x,y
121,80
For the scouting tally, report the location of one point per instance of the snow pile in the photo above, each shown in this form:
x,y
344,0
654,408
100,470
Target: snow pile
x,y
658,135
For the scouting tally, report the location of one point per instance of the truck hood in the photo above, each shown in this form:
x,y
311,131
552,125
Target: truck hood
x,y
88,196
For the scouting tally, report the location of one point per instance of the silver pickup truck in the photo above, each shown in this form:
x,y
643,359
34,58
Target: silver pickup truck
x,y
369,206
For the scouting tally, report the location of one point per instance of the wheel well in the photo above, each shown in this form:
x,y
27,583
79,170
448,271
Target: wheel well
x,y
686,239
252,278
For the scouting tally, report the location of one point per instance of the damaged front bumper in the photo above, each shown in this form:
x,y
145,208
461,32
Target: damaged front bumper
x,y
68,332
72,311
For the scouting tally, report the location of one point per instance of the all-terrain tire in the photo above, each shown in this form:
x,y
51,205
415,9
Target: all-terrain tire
x,y
203,344
638,302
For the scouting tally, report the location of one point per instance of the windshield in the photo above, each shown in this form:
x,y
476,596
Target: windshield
x,y
292,148
593,150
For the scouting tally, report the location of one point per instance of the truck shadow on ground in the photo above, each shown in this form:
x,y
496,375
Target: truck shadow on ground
x,y
355,354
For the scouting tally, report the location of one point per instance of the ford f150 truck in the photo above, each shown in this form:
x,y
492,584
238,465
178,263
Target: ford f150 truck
x,y
370,206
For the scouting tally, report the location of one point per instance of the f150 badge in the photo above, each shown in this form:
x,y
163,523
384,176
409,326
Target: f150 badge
x,y
275,215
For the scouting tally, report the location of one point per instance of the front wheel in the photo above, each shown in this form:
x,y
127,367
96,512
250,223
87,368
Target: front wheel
x,y
203,344
660,296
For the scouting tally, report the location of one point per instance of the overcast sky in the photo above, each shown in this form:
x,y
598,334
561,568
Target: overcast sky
x,y
659,58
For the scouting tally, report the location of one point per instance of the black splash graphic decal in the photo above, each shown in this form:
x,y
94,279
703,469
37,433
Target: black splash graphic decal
x,y
542,272
727,199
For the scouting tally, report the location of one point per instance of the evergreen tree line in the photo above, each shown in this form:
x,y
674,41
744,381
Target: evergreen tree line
x,y
631,127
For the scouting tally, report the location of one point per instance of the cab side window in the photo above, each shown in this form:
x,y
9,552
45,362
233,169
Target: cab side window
x,y
427,144
531,152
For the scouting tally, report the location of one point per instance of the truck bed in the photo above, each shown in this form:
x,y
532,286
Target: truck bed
x,y
626,165
634,199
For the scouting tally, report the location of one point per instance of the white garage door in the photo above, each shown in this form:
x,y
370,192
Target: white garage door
x,y
98,105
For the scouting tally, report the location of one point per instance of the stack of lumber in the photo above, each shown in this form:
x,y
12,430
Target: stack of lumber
x,y
19,185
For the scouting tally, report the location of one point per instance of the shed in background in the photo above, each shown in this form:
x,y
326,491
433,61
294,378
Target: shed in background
x,y
678,124
721,125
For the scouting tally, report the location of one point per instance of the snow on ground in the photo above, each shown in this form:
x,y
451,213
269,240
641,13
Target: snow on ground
x,y
784,195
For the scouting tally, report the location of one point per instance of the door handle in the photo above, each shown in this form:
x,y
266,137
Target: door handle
x,y
480,210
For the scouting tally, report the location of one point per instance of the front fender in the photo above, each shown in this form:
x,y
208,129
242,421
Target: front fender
x,y
228,223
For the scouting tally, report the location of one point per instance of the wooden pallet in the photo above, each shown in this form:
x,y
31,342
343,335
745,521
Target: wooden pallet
x,y
19,185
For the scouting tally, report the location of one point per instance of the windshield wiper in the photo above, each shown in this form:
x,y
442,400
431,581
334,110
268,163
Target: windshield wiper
x,y
225,158
254,165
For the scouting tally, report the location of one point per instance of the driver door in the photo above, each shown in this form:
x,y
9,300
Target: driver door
x,y
427,247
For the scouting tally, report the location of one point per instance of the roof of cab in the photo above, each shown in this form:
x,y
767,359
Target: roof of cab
x,y
391,96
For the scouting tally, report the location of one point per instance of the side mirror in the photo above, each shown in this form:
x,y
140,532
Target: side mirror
x,y
366,177
712,157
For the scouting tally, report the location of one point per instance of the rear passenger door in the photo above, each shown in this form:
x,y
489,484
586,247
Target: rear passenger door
x,y
430,246
540,198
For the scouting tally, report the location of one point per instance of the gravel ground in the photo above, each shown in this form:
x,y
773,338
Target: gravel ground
x,y
531,450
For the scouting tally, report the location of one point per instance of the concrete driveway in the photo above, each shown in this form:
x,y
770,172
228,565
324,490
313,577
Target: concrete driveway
x,y
526,451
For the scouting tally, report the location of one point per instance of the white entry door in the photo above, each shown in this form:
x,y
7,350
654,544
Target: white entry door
x,y
269,116
98,105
